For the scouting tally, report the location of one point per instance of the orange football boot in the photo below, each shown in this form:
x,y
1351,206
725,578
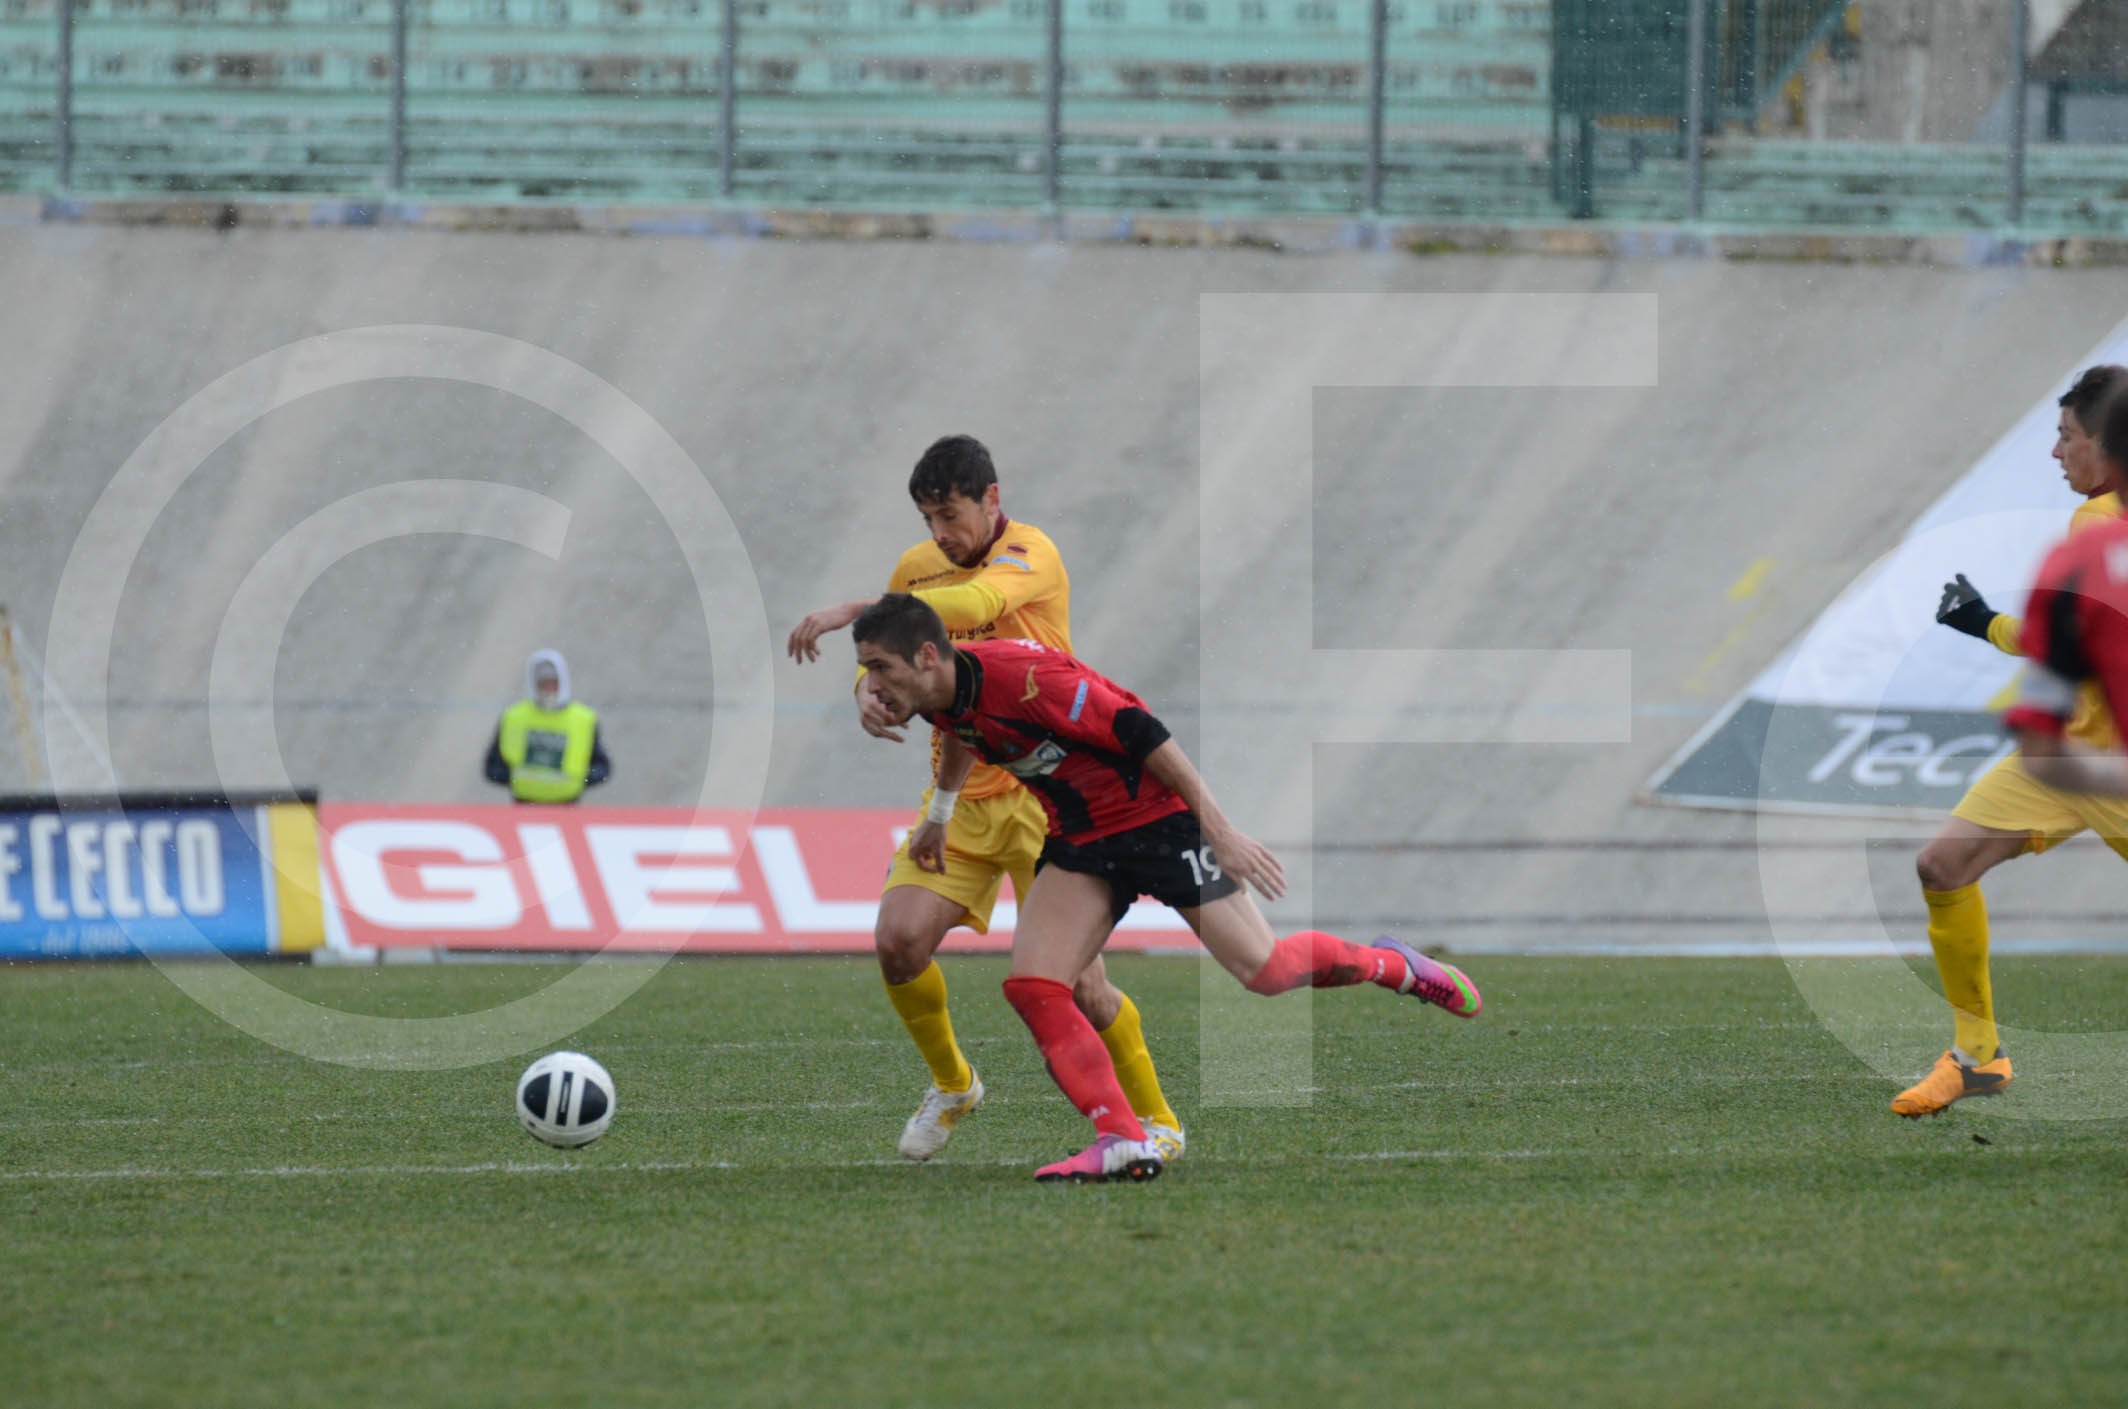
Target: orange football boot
x,y
1952,1080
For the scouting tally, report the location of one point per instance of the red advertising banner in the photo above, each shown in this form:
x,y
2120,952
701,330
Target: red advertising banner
x,y
791,880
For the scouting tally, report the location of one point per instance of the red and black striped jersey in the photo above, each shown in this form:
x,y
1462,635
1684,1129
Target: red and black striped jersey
x,y
2076,630
1074,737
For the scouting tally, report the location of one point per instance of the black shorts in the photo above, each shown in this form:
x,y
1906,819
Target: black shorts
x,y
1167,859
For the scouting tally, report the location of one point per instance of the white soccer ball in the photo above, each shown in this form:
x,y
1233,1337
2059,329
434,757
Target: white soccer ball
x,y
565,1099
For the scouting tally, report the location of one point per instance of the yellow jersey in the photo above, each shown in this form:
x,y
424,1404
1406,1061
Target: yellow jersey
x,y
2092,724
1019,591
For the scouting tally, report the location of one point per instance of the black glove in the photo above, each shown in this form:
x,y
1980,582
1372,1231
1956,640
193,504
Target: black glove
x,y
1964,609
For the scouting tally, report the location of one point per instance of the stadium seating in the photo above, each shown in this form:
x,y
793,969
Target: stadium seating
x,y
1215,106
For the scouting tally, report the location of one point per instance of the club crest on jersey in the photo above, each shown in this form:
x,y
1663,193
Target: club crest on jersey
x,y
1042,762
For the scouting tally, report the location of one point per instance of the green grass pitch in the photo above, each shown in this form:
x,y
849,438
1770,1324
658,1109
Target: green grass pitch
x,y
1632,1182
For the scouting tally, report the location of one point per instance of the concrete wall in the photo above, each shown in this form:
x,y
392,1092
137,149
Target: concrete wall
x,y
1803,415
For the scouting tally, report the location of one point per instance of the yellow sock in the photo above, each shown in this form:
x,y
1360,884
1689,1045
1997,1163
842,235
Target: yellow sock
x,y
922,1005
1958,932
1125,1040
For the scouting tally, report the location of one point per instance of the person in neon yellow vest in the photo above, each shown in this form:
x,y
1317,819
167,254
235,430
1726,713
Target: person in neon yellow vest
x,y
547,748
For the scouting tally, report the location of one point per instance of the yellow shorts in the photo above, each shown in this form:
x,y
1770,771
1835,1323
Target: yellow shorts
x,y
2009,799
988,839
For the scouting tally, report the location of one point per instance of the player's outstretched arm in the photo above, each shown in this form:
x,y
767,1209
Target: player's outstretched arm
x,y
1964,609
1017,575
804,643
1241,857
927,844
968,607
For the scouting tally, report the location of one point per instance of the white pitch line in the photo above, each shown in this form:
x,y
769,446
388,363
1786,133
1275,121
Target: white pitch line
x,y
1858,947
290,1059
514,1167
658,1167
489,1116
1622,1080
283,1059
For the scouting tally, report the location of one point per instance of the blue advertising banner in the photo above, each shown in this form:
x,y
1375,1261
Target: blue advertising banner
x,y
117,876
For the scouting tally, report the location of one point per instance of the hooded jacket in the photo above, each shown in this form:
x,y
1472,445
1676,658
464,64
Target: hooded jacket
x,y
538,752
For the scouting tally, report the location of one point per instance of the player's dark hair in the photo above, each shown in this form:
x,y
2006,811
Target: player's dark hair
x,y
2109,427
900,624
955,464
2090,391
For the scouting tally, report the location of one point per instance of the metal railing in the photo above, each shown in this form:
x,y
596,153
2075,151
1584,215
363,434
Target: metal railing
x,y
1762,42
1434,109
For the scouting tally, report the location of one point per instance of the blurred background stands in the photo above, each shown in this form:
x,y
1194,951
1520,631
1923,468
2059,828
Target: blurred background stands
x,y
1882,114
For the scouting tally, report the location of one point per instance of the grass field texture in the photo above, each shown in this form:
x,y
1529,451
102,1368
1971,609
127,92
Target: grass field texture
x,y
1629,1182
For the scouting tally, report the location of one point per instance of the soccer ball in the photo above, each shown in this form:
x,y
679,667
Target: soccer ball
x,y
565,1099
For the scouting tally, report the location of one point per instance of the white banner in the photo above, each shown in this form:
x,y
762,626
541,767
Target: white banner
x,y
1877,708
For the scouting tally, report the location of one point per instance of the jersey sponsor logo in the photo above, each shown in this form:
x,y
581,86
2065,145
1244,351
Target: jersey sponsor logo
x,y
1038,764
783,880
1078,701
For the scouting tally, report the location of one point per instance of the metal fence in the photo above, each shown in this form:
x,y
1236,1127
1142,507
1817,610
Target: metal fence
x,y
1499,111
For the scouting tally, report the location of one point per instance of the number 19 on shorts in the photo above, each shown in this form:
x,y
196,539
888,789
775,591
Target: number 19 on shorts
x,y
1203,865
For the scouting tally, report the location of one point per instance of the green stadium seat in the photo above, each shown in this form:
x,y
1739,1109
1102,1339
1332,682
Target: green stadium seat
x,y
1212,106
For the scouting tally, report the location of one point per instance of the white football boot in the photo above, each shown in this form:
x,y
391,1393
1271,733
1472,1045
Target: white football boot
x,y
1168,1139
932,1126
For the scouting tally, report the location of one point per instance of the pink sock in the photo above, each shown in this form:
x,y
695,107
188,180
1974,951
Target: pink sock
x,y
1313,959
1078,1061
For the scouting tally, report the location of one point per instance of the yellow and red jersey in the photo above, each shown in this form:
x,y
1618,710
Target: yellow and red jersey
x,y
1019,591
2092,723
